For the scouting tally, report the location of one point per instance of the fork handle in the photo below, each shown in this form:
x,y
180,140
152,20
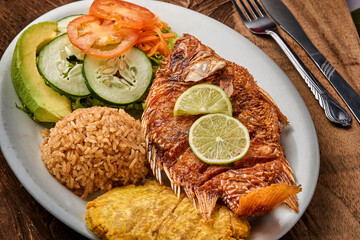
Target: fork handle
x,y
333,110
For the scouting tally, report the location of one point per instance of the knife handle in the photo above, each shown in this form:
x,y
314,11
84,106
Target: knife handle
x,y
333,110
346,92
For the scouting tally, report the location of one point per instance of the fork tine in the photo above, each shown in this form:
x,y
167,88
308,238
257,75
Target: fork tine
x,y
259,8
247,13
253,10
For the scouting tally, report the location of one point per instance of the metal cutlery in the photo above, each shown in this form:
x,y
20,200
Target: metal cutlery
x,y
258,22
281,14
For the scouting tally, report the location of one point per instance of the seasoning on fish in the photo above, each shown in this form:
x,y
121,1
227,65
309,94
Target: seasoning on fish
x,y
263,171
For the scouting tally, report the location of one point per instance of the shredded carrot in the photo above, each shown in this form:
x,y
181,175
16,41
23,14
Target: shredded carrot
x,y
147,39
144,47
164,47
168,35
155,38
153,50
152,39
147,32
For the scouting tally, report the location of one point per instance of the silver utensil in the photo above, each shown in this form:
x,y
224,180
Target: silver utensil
x,y
281,14
257,21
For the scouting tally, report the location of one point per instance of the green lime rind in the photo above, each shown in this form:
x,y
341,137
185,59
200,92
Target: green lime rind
x,y
203,99
219,139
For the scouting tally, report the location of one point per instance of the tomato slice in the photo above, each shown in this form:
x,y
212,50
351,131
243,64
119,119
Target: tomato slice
x,y
124,13
98,37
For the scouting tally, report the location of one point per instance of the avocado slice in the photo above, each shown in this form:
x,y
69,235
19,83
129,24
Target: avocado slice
x,y
44,103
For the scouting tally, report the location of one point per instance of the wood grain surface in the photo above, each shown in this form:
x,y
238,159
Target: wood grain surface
x,y
334,212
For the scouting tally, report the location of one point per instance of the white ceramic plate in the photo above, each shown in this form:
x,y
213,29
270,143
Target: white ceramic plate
x,y
20,137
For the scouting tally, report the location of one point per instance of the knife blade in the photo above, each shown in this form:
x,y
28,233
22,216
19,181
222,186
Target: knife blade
x,y
282,15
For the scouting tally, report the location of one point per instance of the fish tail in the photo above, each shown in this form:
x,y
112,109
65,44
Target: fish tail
x,y
263,200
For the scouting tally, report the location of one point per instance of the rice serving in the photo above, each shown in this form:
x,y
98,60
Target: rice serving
x,y
94,149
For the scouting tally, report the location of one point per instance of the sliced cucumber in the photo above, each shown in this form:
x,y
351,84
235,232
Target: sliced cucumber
x,y
62,23
120,80
60,64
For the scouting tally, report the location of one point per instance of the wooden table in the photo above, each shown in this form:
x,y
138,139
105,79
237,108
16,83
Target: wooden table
x,y
334,212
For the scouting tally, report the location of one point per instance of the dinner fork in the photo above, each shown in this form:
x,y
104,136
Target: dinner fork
x,y
258,22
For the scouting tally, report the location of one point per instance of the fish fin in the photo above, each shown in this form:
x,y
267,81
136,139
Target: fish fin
x,y
293,204
189,190
207,202
154,166
263,200
167,172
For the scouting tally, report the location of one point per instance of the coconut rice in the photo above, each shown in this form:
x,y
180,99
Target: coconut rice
x,y
95,149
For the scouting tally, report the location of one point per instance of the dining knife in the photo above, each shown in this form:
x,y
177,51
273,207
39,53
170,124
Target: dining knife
x,y
282,15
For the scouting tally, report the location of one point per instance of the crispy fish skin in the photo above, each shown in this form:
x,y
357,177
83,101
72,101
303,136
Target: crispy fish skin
x,y
153,211
167,136
236,183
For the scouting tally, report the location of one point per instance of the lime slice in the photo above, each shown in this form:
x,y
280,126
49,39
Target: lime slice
x,y
219,139
203,99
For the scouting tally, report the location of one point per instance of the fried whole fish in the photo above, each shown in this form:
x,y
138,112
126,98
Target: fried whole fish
x,y
153,211
253,185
